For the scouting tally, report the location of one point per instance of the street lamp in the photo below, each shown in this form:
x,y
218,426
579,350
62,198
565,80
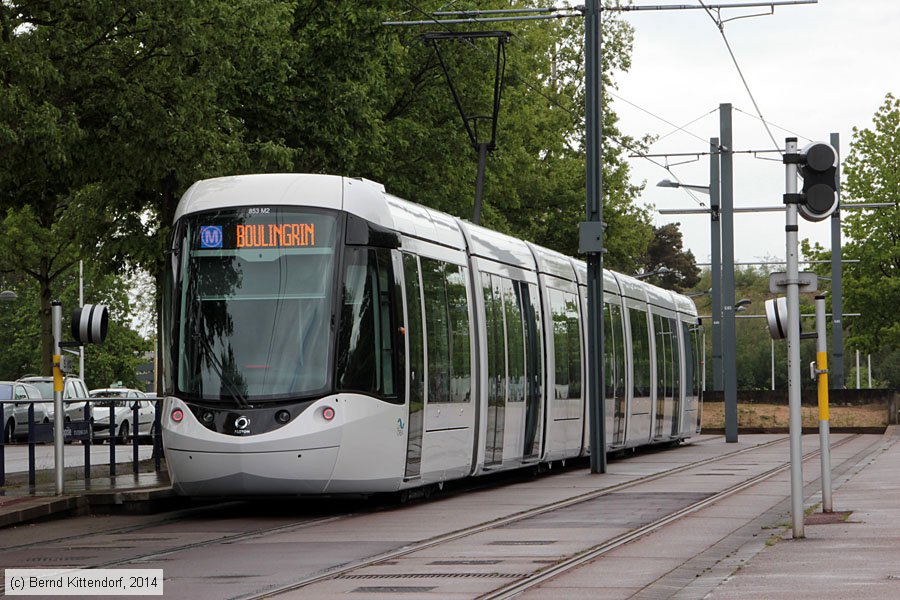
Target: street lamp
x,y
659,271
668,183
8,296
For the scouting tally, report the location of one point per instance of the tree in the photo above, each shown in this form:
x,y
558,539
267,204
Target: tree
x,y
534,183
114,109
872,286
114,360
666,250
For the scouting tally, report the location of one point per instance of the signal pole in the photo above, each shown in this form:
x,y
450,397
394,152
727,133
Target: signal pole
x,y
837,287
729,358
793,336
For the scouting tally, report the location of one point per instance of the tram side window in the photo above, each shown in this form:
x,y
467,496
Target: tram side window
x,y
664,371
414,333
692,372
365,353
614,356
640,344
533,342
574,346
675,381
515,341
460,335
447,330
560,343
566,344
496,339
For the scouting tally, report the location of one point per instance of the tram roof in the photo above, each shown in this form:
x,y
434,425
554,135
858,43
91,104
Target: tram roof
x,y
369,200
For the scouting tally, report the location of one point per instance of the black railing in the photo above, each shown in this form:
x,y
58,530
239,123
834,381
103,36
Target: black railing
x,y
85,430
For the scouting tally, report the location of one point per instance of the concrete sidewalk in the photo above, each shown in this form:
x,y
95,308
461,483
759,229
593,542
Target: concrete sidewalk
x,y
841,560
741,547
21,503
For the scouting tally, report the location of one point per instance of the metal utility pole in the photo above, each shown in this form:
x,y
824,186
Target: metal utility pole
x,y
793,336
59,413
81,303
824,426
837,286
729,359
715,236
591,232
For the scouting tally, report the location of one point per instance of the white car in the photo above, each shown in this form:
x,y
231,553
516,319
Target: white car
x,y
73,388
15,415
122,400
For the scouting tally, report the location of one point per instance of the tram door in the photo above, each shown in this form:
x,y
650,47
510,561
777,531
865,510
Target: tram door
x,y
514,370
566,402
668,382
614,378
534,372
495,326
639,423
416,352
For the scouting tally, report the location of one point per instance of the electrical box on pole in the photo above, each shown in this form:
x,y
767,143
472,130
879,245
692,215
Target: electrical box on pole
x,y
819,169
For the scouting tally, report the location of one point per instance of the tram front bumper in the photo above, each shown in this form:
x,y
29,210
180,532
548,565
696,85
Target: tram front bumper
x,y
289,472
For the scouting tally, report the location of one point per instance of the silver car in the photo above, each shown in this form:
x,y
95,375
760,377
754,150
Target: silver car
x,y
15,415
122,400
73,389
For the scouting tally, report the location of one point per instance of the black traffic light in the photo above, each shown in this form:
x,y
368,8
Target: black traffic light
x,y
89,324
818,167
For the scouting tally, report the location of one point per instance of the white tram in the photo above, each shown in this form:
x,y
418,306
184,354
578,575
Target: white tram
x,y
325,337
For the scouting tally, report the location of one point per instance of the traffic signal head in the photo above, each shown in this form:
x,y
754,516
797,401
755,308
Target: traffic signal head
x,y
90,323
818,167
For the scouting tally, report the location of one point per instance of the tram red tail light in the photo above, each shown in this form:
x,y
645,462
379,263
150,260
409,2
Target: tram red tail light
x,y
177,415
328,413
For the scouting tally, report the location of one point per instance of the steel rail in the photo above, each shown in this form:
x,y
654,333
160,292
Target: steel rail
x,y
377,559
487,526
532,581
160,553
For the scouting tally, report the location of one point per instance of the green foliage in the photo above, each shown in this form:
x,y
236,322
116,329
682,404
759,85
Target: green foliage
x,y
115,359
111,109
872,286
667,250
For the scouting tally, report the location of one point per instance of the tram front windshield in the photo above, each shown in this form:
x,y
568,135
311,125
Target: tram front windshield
x,y
255,294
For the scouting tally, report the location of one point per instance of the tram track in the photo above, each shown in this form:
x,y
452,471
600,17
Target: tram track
x,y
407,549
522,585
225,539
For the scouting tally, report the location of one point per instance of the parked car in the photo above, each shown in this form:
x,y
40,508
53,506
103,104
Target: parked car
x,y
15,416
123,400
73,387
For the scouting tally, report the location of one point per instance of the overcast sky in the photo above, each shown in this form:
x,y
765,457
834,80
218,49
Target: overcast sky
x,y
813,69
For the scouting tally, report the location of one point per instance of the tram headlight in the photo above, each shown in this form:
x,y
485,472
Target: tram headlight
x,y
177,415
328,413
208,417
283,416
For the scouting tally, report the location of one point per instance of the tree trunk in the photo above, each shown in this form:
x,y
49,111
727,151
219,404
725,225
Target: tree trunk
x,y
46,322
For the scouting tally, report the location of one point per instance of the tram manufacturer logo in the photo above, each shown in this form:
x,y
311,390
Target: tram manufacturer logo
x,y
242,425
400,426
211,236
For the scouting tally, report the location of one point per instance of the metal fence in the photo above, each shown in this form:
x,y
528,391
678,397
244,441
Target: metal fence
x,y
89,431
